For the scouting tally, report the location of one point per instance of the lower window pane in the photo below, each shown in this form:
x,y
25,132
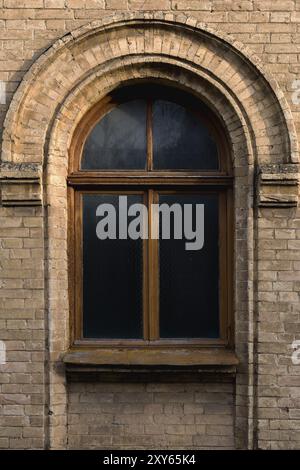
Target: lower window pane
x,y
189,279
112,276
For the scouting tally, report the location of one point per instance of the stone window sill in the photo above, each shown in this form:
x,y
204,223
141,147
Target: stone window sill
x,y
151,363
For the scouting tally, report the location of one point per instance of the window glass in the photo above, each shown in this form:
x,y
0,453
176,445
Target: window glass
x,y
180,140
189,279
112,276
118,140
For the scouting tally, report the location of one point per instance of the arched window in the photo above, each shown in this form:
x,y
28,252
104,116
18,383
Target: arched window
x,y
150,232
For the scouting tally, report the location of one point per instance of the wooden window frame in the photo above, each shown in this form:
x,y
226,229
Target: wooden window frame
x,y
150,183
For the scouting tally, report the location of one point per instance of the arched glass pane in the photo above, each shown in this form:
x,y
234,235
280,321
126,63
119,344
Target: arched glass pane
x,y
118,141
180,140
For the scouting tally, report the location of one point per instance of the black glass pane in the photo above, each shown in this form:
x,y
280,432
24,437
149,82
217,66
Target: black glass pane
x,y
180,140
112,275
118,141
189,279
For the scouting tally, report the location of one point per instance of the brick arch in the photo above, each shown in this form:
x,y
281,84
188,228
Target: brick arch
x,y
78,54
132,70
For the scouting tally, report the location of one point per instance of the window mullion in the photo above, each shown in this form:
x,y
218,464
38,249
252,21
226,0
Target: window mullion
x,y
149,136
153,268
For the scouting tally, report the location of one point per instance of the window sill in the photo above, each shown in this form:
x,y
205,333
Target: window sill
x,y
151,363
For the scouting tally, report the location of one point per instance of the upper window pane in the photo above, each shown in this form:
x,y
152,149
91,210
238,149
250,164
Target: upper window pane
x,y
118,141
180,140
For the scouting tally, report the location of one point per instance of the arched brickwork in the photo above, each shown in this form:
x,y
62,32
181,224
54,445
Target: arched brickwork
x,y
79,70
78,54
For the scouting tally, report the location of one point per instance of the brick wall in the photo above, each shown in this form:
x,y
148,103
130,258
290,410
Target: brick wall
x,y
144,415
22,328
150,415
